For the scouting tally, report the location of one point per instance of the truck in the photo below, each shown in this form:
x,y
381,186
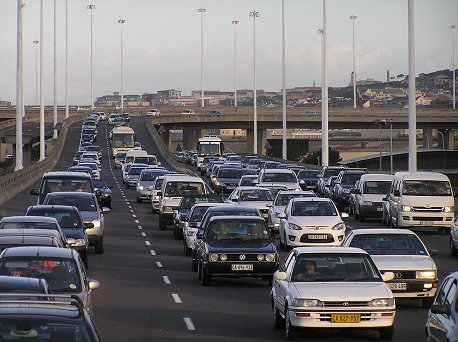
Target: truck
x,y
208,145
122,140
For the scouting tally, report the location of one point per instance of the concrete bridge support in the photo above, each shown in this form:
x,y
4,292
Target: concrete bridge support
x,y
446,139
26,148
167,139
190,137
262,141
427,138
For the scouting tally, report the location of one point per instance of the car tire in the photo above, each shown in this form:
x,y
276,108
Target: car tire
x,y
99,249
356,216
139,200
287,248
84,259
278,320
186,250
281,244
290,331
427,302
453,249
205,277
194,266
386,333
360,216
447,230
162,224
176,233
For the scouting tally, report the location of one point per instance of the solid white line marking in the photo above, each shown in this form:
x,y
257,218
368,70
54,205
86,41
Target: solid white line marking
x,y
148,243
143,234
176,298
140,227
159,264
189,324
136,221
152,251
166,280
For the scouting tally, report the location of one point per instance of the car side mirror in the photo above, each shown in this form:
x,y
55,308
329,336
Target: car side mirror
x,y
93,284
282,216
158,163
301,182
105,210
34,192
397,193
88,225
199,236
385,199
280,276
344,215
441,310
98,192
387,276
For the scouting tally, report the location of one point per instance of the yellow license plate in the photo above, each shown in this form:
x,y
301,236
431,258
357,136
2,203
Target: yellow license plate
x,y
345,318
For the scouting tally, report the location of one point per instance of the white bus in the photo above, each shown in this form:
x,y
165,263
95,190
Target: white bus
x,y
209,145
122,140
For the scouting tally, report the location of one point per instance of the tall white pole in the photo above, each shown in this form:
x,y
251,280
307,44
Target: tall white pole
x,y
55,74
391,148
452,27
66,59
35,43
254,14
412,91
324,93
235,23
92,7
202,11
122,22
353,18
283,67
19,89
42,103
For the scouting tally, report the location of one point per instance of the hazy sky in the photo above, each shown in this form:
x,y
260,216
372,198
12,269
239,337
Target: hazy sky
x,y
162,43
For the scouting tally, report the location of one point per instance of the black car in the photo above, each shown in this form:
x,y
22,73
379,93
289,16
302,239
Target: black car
x,y
325,173
226,179
71,223
81,168
213,112
344,183
77,156
308,179
235,246
125,116
186,203
102,192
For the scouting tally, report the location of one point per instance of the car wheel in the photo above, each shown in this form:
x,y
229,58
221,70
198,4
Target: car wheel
x,y
281,244
176,233
290,331
127,186
162,224
360,216
287,248
186,249
139,200
278,320
391,223
99,246
205,277
84,258
356,214
453,249
427,302
194,265
386,333
447,230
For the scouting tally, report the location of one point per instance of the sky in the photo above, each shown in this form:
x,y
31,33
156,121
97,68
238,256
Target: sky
x,y
161,44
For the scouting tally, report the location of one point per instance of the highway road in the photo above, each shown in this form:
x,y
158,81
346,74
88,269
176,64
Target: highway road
x,y
149,293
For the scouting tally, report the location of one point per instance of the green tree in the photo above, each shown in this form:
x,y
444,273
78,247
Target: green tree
x,y
334,157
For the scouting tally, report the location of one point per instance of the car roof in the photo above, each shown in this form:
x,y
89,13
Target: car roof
x,y
237,217
246,187
65,174
329,250
278,171
29,232
295,192
232,207
211,204
38,251
70,193
376,177
377,231
28,219
21,283
311,199
183,179
421,175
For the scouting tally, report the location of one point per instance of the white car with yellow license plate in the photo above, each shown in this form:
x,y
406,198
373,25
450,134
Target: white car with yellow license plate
x,y
332,288
403,253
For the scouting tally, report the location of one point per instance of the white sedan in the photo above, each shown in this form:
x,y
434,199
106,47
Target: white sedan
x,y
332,288
311,222
402,252
252,196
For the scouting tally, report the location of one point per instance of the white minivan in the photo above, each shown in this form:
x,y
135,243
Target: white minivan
x,y
130,157
421,199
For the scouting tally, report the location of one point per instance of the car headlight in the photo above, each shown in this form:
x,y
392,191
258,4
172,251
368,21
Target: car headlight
x,y
156,197
293,226
106,195
381,302
223,257
96,223
406,208
141,187
425,274
276,214
339,226
367,203
346,191
449,209
270,257
213,257
166,209
218,183
306,302
78,243
260,257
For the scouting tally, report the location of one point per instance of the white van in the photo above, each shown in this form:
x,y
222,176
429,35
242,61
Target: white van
x,y
148,159
173,189
421,199
369,194
130,157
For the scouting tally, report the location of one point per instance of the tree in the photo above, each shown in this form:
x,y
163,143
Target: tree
x,y
334,157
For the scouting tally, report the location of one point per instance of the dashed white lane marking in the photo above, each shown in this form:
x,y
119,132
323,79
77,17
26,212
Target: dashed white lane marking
x,y
152,251
128,203
130,207
166,280
124,196
189,324
148,243
159,264
143,234
136,221
176,298
133,215
131,210
140,227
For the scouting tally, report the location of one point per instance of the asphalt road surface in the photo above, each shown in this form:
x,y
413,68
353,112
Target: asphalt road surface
x,y
148,291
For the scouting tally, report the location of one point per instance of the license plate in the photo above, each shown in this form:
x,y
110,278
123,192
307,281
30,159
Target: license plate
x,y
238,267
426,223
230,187
379,209
345,318
310,186
317,237
398,286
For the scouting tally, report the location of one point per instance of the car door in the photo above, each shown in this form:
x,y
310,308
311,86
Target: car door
x,y
284,224
435,321
281,287
86,292
446,323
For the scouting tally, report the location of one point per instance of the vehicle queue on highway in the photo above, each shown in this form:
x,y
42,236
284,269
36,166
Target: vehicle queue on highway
x,y
232,225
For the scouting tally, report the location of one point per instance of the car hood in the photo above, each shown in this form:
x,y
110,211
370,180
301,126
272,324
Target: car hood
x,y
373,197
256,204
315,220
289,186
403,262
89,216
229,180
241,247
73,233
341,291
145,183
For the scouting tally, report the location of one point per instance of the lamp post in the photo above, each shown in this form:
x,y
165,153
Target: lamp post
x,y
353,18
201,12
412,90
66,59
92,8
121,22
379,123
254,14
55,75
452,27
235,23
443,139
19,89
35,43
42,103
283,67
324,91
389,122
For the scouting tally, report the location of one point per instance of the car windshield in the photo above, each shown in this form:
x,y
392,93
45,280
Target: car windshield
x,y
389,244
426,188
180,189
255,162
271,165
135,171
120,156
82,203
198,213
146,160
334,267
376,187
122,140
238,230
230,173
209,149
351,178
62,274
303,174
283,199
99,184
248,180
158,184
66,218
28,225
189,202
255,195
66,184
279,177
315,208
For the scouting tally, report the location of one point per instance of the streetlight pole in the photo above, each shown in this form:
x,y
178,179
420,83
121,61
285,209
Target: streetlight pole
x,y
412,90
55,74
443,139
235,23
379,123
390,123
35,43
254,14
92,8
324,91
122,22
19,89
284,137
66,59
201,12
452,27
353,18
42,103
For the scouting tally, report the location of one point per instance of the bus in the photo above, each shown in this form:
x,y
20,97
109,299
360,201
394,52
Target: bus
x,y
122,140
209,145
